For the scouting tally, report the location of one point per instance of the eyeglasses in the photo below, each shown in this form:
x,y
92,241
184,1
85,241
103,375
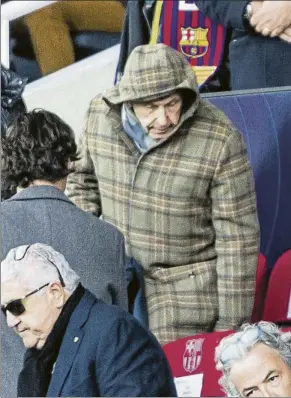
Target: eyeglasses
x,y
245,338
16,307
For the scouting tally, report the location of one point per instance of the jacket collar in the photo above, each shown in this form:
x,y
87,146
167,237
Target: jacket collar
x,y
40,192
71,343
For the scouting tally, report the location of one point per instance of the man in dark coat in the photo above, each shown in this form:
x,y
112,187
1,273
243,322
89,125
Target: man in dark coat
x,y
78,346
36,158
259,52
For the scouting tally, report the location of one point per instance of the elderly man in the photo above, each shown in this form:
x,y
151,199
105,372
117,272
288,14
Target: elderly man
x,y
172,173
36,158
77,345
256,362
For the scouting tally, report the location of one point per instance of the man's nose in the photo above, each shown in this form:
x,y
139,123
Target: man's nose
x,y
12,320
162,117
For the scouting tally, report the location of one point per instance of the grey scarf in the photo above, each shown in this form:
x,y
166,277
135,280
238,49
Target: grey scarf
x,y
135,130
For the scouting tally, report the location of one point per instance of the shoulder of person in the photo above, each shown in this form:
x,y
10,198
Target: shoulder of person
x,y
108,230
99,105
102,101
114,319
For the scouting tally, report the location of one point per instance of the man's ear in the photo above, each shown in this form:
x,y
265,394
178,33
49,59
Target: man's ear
x,y
57,293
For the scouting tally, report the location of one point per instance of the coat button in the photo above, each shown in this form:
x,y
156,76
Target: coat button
x,y
9,100
76,339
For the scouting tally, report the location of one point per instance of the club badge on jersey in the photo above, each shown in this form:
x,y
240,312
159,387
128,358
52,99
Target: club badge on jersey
x,y
181,25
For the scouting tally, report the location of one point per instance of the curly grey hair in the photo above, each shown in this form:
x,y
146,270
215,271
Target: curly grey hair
x,y
38,264
235,347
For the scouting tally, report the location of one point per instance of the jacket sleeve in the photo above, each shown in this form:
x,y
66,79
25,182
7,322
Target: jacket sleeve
x,y
135,32
228,13
82,186
237,233
131,363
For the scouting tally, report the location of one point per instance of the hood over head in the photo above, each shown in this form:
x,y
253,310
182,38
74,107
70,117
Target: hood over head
x,y
153,72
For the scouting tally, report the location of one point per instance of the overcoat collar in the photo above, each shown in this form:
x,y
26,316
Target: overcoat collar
x,y
40,192
70,345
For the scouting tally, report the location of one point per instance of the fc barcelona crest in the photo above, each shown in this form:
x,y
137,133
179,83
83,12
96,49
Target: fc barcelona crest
x,y
192,355
181,25
194,42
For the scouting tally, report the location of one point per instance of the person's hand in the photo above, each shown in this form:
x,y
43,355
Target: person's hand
x,y
286,35
272,18
256,6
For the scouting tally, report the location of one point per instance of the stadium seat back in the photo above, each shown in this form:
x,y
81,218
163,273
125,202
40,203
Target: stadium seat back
x,y
261,288
194,355
277,306
264,119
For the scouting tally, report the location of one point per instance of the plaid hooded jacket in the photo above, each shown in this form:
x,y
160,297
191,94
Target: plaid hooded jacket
x,y
186,207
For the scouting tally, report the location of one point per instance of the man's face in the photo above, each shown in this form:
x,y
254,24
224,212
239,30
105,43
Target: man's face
x,y
262,373
39,317
159,117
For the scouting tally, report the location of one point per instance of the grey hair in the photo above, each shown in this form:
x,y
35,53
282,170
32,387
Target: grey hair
x,y
270,335
32,266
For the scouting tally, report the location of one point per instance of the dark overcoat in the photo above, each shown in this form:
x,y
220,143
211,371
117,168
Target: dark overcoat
x,y
94,249
256,61
107,353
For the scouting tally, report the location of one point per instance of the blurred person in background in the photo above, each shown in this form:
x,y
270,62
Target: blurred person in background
x,y
37,156
139,24
77,346
260,49
12,105
255,362
50,28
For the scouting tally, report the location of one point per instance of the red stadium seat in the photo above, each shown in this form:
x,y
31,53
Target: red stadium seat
x,y
277,302
261,288
195,355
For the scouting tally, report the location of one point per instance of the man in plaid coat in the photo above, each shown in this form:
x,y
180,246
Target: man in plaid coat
x,y
172,173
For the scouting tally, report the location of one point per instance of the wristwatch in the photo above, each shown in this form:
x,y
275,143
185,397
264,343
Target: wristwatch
x,y
248,11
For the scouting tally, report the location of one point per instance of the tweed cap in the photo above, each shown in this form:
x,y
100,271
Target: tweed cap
x,y
153,72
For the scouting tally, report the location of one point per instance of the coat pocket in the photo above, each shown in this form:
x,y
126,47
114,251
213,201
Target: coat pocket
x,y
183,298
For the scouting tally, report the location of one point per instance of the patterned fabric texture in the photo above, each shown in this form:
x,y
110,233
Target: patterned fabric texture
x,y
186,207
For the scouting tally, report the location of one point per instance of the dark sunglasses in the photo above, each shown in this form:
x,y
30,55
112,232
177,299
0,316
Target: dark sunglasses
x,y
16,307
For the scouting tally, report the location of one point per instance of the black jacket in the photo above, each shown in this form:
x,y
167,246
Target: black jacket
x,y
256,61
12,87
136,30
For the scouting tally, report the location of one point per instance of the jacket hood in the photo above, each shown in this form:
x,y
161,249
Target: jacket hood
x,y
152,72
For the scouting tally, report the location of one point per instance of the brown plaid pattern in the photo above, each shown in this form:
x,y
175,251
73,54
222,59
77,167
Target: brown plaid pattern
x,y
187,209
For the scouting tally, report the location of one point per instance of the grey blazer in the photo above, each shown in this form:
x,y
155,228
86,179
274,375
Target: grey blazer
x,y
94,248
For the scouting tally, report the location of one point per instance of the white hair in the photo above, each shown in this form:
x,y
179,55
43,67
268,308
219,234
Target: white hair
x,y
237,345
38,264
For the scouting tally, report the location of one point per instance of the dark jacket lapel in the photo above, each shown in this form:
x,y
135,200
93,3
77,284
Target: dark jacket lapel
x,y
70,345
